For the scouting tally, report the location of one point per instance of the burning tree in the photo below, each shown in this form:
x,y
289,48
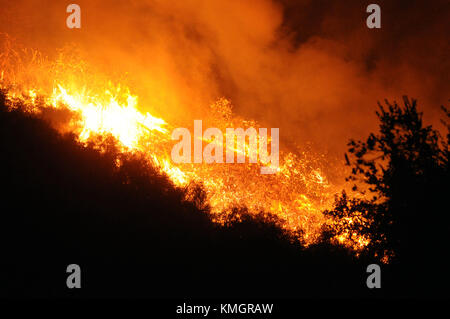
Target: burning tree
x,y
402,175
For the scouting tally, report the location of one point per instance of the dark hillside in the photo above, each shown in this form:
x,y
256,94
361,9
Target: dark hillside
x,y
130,230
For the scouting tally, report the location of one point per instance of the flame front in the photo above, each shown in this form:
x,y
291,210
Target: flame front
x,y
297,193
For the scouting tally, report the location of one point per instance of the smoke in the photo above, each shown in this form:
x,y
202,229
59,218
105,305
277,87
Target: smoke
x,y
311,68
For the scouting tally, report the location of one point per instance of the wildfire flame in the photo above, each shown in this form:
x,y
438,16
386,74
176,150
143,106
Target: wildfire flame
x,y
297,193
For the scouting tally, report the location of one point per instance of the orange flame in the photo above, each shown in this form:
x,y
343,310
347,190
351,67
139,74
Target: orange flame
x,y
297,193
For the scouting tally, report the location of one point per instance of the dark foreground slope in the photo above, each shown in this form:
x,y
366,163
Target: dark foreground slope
x,y
133,235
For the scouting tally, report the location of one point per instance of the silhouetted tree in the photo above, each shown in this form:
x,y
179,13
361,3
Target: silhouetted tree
x,y
402,173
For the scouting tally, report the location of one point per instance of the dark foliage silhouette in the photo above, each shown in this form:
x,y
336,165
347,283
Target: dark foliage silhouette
x,y
403,173
135,235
